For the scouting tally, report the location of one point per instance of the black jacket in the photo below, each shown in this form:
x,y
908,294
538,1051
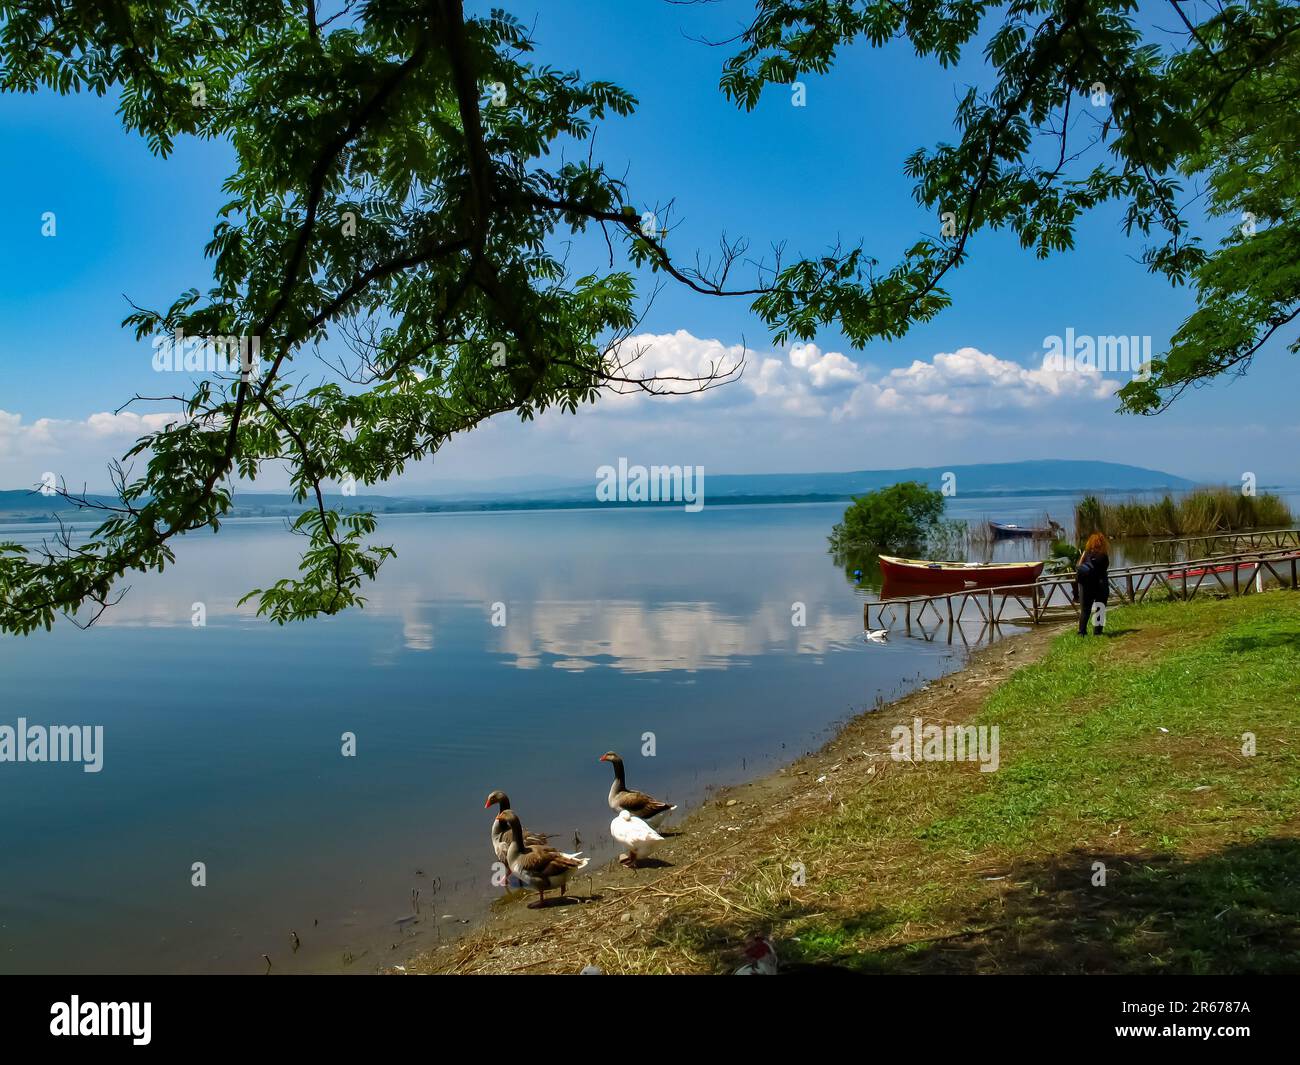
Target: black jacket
x,y
1092,574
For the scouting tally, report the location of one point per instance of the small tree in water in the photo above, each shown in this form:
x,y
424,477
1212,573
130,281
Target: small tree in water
x,y
903,516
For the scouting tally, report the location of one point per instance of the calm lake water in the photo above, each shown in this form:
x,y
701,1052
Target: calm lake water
x,y
222,743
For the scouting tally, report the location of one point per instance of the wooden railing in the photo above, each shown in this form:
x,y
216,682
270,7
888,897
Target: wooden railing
x,y
1251,538
1053,597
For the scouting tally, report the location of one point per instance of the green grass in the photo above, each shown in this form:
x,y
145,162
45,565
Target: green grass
x,y
1208,688
1126,831
1125,751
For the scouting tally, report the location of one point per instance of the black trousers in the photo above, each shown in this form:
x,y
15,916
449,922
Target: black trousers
x,y
1089,595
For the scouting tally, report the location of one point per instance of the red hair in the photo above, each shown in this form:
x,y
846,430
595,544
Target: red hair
x,y
1097,544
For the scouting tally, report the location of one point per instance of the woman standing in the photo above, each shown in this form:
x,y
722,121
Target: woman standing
x,y
1092,575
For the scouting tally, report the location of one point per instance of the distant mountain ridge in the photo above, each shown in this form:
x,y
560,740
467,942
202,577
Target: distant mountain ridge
x,y
1009,478
988,478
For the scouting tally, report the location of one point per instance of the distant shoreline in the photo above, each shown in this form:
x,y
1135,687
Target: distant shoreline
x,y
507,506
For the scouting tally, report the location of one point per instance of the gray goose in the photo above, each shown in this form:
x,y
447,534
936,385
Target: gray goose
x,y
637,803
501,831
539,868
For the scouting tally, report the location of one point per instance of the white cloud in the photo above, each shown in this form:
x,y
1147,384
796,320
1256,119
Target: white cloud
x,y
969,383
826,372
806,382
800,409
75,451
127,423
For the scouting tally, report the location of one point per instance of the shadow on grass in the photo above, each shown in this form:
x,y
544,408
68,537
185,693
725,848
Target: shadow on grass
x,y
1234,911
1240,644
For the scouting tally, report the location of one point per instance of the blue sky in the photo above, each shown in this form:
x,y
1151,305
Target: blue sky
x,y
962,388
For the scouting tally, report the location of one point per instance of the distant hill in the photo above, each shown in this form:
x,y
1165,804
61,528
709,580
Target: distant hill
x,y
25,505
989,478
996,478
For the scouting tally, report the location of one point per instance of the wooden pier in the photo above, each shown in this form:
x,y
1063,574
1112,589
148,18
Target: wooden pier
x,y
1055,597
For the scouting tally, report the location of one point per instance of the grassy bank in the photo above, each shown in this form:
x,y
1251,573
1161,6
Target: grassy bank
x,y
1125,751
1200,512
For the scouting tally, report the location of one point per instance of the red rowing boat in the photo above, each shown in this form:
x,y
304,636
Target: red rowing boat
x,y
1201,571
958,575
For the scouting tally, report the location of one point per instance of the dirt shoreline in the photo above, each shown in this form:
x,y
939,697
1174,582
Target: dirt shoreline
x,y
613,908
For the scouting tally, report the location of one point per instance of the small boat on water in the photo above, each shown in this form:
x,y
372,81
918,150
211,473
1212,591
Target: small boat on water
x,y
1005,530
958,575
1247,570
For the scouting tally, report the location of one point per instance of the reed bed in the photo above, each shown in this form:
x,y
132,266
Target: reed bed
x,y
1199,512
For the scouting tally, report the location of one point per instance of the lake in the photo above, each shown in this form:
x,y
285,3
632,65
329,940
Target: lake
x,y
223,743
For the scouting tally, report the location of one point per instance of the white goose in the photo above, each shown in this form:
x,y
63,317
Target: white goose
x,y
634,834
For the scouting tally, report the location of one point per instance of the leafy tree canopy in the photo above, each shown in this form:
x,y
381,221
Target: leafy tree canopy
x,y
404,186
901,517
1199,94
399,186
